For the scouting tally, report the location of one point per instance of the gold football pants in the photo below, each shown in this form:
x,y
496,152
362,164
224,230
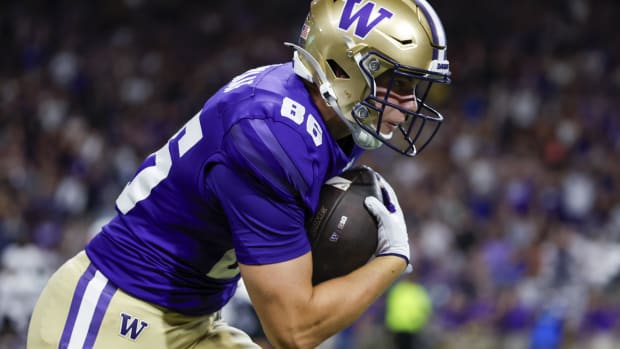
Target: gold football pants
x,y
80,309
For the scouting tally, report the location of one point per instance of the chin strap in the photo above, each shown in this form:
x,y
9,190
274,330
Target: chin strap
x,y
360,136
327,92
299,68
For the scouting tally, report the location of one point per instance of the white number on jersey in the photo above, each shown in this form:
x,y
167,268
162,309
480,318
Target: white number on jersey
x,y
243,79
140,187
296,111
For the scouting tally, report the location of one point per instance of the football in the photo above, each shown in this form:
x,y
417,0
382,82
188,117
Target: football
x,y
342,233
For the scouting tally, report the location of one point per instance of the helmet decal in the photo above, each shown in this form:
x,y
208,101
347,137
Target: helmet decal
x,y
362,17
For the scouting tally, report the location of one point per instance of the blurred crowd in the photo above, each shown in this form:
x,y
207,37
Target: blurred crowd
x,y
513,210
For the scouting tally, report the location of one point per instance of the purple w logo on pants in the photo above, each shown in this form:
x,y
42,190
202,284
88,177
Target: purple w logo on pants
x,y
130,326
362,16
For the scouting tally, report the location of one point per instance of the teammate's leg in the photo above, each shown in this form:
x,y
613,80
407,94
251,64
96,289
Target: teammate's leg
x,y
222,335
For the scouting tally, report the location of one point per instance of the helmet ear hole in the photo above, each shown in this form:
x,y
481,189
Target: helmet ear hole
x,y
337,69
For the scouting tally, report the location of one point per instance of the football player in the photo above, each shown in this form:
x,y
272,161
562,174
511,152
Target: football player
x,y
229,194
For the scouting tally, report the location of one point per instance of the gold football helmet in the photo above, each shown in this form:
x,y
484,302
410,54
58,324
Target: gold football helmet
x,y
347,46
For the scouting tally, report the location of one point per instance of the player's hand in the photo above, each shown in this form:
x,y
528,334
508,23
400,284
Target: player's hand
x,y
392,230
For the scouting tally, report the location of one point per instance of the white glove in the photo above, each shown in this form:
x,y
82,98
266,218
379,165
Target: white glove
x,y
392,230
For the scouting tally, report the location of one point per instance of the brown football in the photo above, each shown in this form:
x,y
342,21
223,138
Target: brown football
x,y
342,233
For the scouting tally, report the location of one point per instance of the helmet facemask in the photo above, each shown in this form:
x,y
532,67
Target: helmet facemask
x,y
398,81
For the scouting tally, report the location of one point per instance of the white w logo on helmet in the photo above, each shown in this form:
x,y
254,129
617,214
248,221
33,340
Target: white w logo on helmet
x,y
362,17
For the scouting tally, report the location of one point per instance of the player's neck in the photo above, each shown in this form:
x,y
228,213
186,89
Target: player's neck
x,y
335,125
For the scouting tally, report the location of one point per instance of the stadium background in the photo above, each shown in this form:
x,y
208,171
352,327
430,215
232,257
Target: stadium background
x,y
514,210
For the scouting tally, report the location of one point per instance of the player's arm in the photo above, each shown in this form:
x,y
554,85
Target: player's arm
x,y
294,314
258,193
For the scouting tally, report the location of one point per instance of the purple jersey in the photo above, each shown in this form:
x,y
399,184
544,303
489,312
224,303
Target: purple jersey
x,y
236,183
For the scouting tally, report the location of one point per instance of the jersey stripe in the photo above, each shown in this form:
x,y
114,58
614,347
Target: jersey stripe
x,y
90,300
246,147
249,150
269,139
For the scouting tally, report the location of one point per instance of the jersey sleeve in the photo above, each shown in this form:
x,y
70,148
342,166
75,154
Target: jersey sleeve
x,y
275,155
268,174
264,228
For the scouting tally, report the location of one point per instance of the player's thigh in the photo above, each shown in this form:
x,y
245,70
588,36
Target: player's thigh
x,y
79,308
130,323
50,312
70,311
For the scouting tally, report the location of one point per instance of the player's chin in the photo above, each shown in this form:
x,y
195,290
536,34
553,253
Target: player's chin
x,y
390,123
387,131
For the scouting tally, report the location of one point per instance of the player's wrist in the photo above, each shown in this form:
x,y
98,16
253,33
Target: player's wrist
x,y
395,248
402,256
